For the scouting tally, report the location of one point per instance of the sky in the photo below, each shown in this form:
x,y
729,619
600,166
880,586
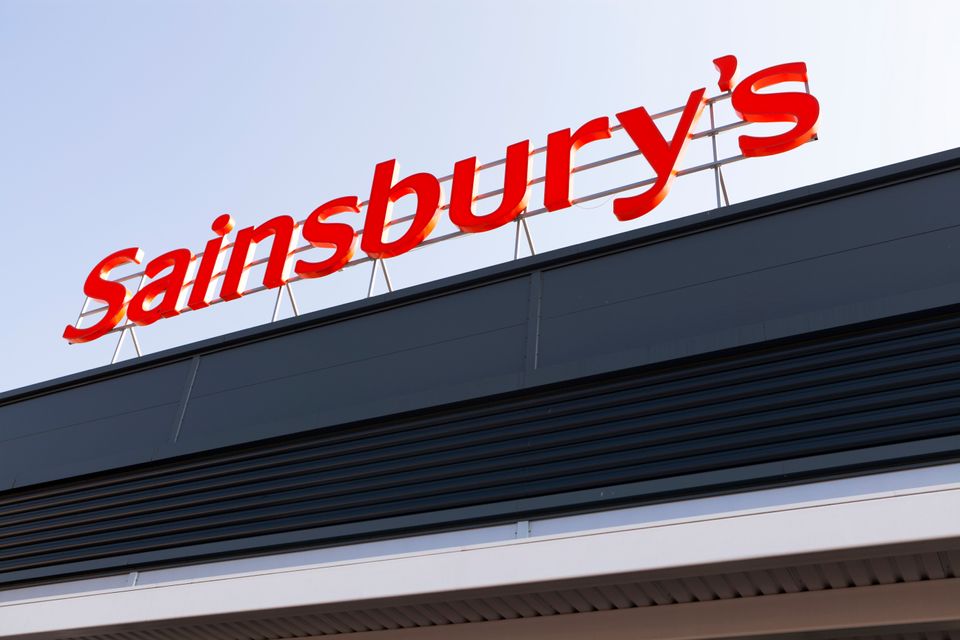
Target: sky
x,y
134,123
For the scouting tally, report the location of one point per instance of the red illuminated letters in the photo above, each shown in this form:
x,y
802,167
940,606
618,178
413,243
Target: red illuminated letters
x,y
329,235
170,287
516,191
561,146
209,263
167,277
278,264
384,192
663,156
114,294
800,108
727,67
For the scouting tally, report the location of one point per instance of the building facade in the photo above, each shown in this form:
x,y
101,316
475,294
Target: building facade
x,y
741,423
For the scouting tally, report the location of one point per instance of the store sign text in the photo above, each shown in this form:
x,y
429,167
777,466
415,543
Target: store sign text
x,y
168,289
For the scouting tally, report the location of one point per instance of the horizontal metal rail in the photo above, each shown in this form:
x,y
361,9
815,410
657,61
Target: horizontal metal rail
x,y
488,194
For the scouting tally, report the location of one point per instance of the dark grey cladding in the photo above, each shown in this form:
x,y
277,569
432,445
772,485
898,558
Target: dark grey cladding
x,y
804,335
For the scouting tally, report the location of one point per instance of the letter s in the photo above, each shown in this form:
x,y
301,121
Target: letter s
x,y
799,108
329,235
97,287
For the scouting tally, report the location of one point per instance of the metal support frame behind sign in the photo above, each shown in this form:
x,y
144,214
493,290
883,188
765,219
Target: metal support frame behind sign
x,y
522,226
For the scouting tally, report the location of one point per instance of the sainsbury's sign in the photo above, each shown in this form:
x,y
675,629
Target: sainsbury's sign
x,y
179,280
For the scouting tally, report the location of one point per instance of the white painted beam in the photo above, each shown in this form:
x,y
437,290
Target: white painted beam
x,y
909,517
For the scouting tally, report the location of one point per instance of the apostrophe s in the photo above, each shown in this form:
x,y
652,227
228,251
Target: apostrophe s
x,y
800,108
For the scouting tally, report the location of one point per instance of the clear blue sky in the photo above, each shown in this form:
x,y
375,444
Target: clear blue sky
x,y
135,123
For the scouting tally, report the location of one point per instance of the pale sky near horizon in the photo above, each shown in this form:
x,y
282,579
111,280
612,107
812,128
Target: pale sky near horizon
x,y
134,123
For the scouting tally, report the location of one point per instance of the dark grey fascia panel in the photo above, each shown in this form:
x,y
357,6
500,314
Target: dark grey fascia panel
x,y
870,246
844,402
